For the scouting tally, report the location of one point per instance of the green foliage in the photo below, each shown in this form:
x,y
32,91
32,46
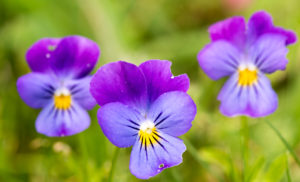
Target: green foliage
x,y
276,169
219,150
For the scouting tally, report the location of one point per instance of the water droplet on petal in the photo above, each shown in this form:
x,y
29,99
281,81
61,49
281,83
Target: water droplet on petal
x,y
51,47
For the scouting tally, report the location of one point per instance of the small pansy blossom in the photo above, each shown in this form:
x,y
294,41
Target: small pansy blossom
x,y
145,107
246,54
59,83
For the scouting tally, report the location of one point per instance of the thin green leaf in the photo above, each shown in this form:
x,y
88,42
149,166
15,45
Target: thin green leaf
x,y
287,145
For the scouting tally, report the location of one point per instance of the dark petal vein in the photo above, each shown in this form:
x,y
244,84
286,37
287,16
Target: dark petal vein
x,y
133,122
162,120
157,117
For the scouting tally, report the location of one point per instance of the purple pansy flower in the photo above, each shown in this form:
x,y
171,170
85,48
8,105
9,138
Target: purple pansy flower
x,y
59,83
145,107
246,54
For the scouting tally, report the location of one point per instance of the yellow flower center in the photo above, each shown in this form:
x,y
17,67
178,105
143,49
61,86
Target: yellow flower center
x,y
247,77
148,134
62,99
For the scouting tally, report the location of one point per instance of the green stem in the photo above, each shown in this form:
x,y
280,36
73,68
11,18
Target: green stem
x,y
113,164
84,161
245,145
289,179
287,145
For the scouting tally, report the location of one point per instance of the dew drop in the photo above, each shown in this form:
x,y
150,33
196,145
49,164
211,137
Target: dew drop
x,y
51,47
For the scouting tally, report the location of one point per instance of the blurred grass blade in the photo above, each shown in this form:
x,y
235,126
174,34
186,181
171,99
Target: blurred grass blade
x,y
287,145
255,169
194,153
219,157
176,175
113,164
276,169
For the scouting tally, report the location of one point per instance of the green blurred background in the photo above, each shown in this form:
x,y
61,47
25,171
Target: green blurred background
x,y
219,148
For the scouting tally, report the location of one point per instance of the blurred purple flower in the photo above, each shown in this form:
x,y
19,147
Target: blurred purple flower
x,y
147,107
246,54
59,83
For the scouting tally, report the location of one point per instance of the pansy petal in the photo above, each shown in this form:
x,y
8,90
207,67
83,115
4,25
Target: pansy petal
x,y
173,113
39,54
269,53
256,100
75,57
233,99
80,91
159,78
119,82
219,59
262,98
148,161
57,123
261,23
231,29
36,89
119,123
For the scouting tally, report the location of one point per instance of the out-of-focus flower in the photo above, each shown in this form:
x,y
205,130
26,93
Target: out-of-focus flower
x,y
246,54
39,142
63,148
145,107
237,5
59,83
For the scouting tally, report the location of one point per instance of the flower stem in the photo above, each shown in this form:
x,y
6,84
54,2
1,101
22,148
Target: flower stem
x,y
287,145
244,145
84,159
113,164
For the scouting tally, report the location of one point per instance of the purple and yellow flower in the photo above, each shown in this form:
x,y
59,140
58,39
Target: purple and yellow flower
x,y
59,83
145,107
246,54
